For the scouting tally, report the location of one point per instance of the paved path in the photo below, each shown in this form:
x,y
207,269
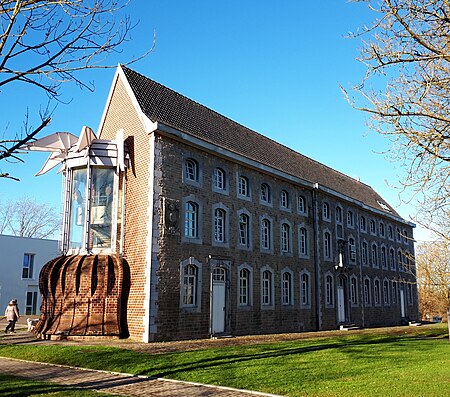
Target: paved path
x,y
115,383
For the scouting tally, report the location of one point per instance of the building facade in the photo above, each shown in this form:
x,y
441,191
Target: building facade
x,y
220,230
20,264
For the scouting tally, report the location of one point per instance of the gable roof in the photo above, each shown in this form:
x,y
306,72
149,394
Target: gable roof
x,y
161,104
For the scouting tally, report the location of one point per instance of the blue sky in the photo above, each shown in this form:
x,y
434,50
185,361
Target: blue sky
x,y
274,67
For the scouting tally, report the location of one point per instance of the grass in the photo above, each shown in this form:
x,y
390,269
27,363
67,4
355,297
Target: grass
x,y
15,387
416,362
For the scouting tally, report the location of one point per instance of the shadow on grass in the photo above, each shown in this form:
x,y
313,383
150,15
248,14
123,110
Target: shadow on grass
x,y
173,369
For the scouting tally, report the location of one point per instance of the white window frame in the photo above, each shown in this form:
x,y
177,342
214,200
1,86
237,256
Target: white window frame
x,y
377,291
327,245
267,288
305,289
287,287
247,232
350,219
326,211
245,287
354,291
285,238
188,237
303,241
367,292
285,202
194,303
329,290
301,205
220,180
386,293
220,224
265,194
266,234
243,187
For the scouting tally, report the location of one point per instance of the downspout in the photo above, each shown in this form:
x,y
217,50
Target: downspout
x,y
317,272
361,280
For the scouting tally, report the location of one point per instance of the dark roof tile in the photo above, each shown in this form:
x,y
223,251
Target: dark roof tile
x,y
164,105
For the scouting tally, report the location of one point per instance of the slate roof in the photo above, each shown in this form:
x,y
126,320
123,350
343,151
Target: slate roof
x,y
164,105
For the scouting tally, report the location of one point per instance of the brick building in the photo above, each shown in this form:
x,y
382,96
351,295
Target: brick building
x,y
215,229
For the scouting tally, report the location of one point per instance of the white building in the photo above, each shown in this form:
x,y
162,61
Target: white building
x,y
21,260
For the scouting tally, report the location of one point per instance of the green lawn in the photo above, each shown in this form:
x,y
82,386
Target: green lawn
x,y
14,387
416,363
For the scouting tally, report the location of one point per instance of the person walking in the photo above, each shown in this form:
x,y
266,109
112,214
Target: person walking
x,y
12,315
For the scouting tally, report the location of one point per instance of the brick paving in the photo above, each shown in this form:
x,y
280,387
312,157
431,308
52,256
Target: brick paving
x,y
115,383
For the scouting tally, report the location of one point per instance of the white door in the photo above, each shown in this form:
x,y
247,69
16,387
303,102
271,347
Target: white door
x,y
402,302
341,304
218,301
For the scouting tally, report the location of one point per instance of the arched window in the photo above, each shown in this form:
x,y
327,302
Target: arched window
x,y
373,229
284,199
285,238
374,255
350,218
392,259
383,257
367,299
301,204
327,245
219,225
244,287
400,260
266,234
338,214
329,290
219,179
190,278
364,253
305,289
243,186
286,288
386,292
362,223
266,286
353,290
352,249
326,215
303,241
399,234
377,292
394,292
390,233
191,219
381,229
265,194
244,230
191,170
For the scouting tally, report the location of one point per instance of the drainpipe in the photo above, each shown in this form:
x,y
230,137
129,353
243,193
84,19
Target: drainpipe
x,y
317,273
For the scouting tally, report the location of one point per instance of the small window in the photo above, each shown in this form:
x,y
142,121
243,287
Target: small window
x,y
326,215
381,229
329,290
284,199
301,204
266,286
219,225
392,259
243,187
373,229
362,224
364,253
189,289
305,289
390,233
191,220
352,249
377,292
399,234
265,194
244,230
28,266
354,291
31,303
367,297
219,180
285,238
286,289
386,292
303,241
338,215
191,170
266,234
327,245
383,257
244,287
405,237
350,219
374,255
